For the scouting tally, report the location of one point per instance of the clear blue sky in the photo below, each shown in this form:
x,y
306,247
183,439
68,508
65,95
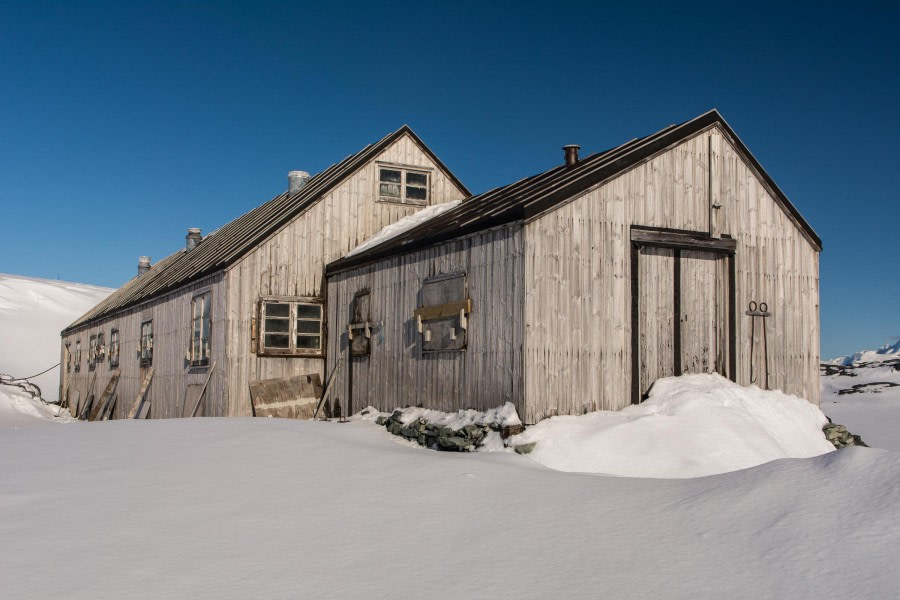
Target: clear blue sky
x,y
122,124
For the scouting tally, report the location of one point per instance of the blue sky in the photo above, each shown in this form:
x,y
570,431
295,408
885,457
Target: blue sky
x,y
122,123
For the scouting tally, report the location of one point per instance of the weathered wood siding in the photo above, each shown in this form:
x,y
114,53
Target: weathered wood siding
x,y
396,373
578,276
171,315
292,261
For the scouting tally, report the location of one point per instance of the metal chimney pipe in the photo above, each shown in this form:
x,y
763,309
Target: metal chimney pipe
x,y
571,151
296,180
192,239
143,265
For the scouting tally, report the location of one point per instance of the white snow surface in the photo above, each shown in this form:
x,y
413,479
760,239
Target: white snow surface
x,y
272,508
19,409
404,224
32,313
873,412
886,352
690,426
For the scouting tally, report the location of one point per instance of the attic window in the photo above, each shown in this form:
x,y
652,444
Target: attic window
x,y
443,319
406,186
114,348
292,327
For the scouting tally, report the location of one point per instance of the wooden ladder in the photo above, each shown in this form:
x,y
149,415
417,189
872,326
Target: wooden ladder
x,y
102,405
137,411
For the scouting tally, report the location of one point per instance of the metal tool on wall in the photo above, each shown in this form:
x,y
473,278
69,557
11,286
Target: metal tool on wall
x,y
760,311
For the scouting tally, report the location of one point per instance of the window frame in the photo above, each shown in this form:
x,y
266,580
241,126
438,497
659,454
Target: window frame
x,y
92,352
145,350
205,318
77,356
113,354
403,198
292,333
457,322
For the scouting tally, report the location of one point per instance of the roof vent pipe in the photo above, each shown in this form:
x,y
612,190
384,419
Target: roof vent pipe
x,y
296,180
192,239
143,265
571,151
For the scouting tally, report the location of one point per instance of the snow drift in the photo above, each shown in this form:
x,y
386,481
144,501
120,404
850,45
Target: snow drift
x,y
19,409
32,313
690,426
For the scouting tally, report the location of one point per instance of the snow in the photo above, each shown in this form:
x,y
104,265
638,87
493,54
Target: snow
x,y
886,352
690,426
32,314
404,225
19,409
271,508
873,412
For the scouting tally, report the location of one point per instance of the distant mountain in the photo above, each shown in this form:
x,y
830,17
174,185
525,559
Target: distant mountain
x,y
32,313
887,352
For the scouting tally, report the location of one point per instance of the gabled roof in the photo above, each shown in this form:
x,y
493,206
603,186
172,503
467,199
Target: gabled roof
x,y
230,243
534,195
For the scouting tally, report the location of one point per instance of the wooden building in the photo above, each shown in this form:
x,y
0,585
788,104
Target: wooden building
x,y
575,289
245,304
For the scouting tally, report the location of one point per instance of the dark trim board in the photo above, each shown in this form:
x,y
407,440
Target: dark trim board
x,y
677,240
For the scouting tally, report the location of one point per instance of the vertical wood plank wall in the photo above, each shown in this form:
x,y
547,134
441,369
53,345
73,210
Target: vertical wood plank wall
x,y
397,373
578,266
292,262
171,315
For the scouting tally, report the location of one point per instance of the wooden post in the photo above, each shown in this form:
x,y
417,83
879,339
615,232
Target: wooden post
x,y
138,401
203,391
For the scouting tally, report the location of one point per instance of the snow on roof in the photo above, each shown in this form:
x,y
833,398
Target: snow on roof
x,y
403,225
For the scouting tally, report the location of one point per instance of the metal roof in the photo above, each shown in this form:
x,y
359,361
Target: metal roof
x,y
529,197
229,243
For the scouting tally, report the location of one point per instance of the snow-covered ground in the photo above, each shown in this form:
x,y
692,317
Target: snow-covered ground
x,y
864,395
32,313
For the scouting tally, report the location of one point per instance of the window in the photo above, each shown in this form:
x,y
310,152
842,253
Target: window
x,y
359,332
402,185
201,320
92,353
291,327
77,355
68,358
114,348
146,350
443,319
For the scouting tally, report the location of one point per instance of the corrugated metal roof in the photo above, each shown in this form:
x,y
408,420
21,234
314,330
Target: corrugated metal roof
x,y
534,195
229,243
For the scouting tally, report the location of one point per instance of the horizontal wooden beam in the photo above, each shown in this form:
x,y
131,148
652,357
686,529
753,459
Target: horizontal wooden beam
x,y
450,309
684,240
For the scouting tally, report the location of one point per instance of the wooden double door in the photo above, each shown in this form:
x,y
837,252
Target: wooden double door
x,y
684,313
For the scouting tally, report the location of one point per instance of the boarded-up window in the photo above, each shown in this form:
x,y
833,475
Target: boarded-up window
x,y
407,186
360,330
146,349
201,322
114,348
443,316
290,327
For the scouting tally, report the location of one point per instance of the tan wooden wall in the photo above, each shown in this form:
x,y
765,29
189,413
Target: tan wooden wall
x,y
292,261
578,271
486,374
171,315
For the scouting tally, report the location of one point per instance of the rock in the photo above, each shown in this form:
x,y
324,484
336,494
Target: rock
x,y
460,444
409,432
422,439
525,448
394,427
381,420
511,430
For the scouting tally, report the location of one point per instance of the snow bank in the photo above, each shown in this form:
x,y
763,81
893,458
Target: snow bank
x,y
32,313
690,426
274,508
19,409
404,225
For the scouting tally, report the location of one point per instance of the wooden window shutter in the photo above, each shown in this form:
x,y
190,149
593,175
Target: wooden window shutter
x,y
254,328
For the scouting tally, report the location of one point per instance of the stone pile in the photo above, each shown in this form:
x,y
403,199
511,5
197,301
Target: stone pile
x,y
840,437
437,437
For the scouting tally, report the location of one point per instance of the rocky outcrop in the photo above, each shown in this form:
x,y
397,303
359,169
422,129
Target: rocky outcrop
x,y
840,437
437,437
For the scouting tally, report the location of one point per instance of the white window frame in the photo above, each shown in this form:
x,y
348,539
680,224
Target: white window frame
x,y
113,353
292,333
403,198
145,347
199,350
